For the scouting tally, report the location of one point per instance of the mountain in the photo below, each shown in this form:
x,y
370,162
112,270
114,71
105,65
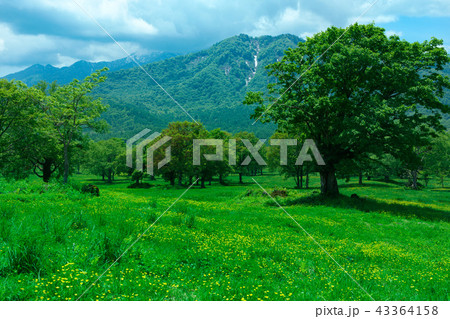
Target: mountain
x,y
210,85
81,69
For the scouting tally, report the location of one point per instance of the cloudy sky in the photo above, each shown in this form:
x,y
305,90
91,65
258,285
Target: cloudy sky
x,y
60,32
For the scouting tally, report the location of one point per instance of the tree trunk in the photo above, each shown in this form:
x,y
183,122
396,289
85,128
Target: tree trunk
x,y
328,182
172,181
66,163
297,179
109,177
307,179
360,182
386,178
301,176
221,179
180,179
202,182
47,170
414,179
240,178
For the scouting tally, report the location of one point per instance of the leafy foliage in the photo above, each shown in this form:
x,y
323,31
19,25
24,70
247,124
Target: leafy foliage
x,y
358,96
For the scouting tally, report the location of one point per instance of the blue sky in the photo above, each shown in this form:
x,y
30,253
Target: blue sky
x,y
58,32
421,28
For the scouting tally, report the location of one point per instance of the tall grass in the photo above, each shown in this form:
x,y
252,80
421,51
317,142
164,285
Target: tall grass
x,y
220,244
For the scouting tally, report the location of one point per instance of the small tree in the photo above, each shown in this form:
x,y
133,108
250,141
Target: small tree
x,y
137,177
241,154
289,168
105,158
437,161
71,109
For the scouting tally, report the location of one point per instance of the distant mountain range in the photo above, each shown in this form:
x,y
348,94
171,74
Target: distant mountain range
x,y
210,84
82,69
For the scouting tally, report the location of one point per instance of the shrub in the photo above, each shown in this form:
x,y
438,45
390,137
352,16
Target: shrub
x,y
90,189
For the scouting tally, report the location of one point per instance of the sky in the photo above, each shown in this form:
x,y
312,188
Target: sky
x,y
61,32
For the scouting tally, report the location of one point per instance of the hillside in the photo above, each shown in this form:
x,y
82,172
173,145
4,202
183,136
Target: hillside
x,y
81,69
210,84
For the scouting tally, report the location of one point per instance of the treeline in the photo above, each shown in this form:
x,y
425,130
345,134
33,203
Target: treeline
x,y
108,158
43,131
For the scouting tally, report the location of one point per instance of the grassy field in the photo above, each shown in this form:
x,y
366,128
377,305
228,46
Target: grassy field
x,y
223,242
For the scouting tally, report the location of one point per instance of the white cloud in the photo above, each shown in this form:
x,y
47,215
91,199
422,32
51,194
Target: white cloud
x,y
96,52
64,60
291,20
2,45
18,46
447,48
138,25
369,19
114,15
392,32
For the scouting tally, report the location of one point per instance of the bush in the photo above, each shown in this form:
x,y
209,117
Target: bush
x,y
90,189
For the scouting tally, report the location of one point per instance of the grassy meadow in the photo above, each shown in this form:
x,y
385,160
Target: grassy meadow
x,y
223,242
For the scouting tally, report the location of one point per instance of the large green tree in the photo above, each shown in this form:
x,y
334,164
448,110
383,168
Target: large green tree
x,y
356,92
71,109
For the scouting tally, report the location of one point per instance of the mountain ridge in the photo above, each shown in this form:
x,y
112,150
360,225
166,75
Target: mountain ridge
x,y
80,69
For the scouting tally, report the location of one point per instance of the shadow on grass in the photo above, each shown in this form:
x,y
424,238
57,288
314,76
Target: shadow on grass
x,y
366,184
372,205
101,182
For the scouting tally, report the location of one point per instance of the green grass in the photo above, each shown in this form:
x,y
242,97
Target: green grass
x,y
223,242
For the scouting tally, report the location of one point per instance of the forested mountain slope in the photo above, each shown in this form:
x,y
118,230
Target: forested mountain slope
x,y
210,85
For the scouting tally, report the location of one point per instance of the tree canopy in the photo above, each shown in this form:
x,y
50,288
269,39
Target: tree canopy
x,y
356,92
